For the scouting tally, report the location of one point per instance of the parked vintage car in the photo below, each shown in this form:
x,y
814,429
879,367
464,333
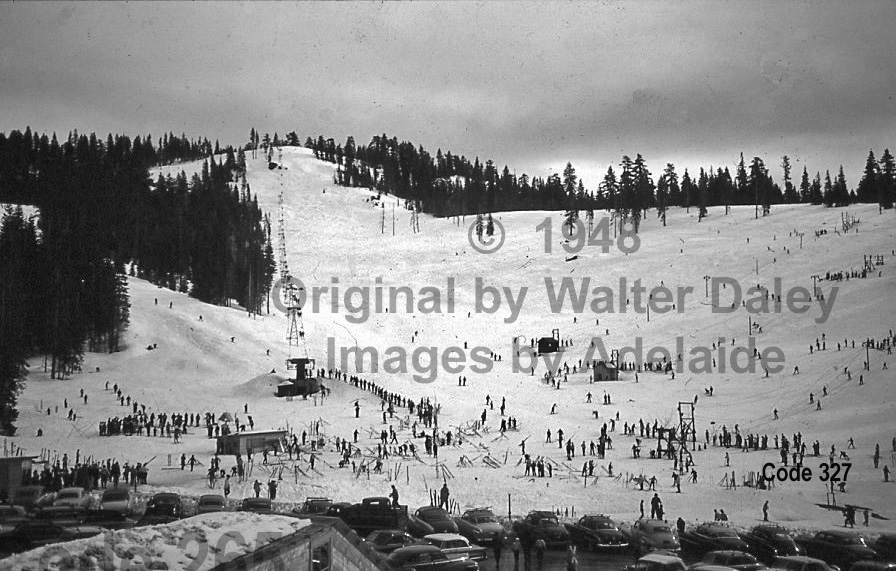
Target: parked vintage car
x,y
163,507
543,525
336,509
33,497
710,537
209,503
658,562
117,500
372,514
838,547
739,560
801,563
646,535
597,533
456,546
480,526
36,533
11,516
388,540
73,497
437,518
427,558
257,505
314,506
768,542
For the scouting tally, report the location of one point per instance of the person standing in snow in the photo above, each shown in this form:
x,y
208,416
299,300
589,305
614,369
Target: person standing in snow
x,y
394,496
443,496
497,546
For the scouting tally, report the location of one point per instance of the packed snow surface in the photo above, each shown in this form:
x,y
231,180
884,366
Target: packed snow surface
x,y
340,237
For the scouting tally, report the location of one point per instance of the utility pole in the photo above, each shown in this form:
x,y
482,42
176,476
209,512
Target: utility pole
x,y
756,194
706,283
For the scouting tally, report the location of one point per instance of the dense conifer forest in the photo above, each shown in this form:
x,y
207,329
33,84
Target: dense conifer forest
x,y
450,185
63,287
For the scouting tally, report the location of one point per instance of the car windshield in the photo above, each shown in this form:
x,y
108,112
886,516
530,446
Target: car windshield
x,y
67,495
482,519
660,529
548,521
602,524
723,533
115,495
454,544
852,541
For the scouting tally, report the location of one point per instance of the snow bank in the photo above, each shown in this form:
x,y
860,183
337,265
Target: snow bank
x,y
262,384
198,543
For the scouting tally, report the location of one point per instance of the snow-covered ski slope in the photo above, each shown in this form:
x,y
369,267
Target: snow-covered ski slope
x,y
338,237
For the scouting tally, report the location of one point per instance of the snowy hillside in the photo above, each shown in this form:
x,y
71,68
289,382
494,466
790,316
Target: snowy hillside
x,y
338,237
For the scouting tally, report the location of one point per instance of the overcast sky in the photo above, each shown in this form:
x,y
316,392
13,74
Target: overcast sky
x,y
530,85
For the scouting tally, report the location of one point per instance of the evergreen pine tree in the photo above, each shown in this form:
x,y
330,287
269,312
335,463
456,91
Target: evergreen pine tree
x,y
887,180
790,194
828,193
815,193
841,192
867,190
702,192
804,186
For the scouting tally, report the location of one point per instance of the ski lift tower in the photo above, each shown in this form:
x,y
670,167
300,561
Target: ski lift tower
x,y
687,430
306,381
296,332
